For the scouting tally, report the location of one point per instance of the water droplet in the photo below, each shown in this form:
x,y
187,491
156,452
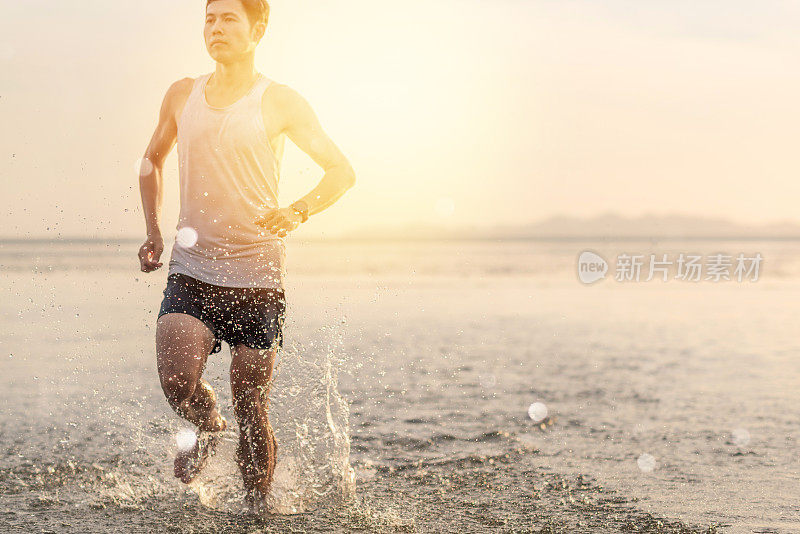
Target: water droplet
x,y
186,237
741,437
445,207
646,462
186,438
489,381
537,412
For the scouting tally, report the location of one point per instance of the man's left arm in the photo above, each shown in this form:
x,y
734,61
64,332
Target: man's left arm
x,y
303,128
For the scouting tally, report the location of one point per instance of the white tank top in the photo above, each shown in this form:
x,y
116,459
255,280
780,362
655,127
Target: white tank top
x,y
228,176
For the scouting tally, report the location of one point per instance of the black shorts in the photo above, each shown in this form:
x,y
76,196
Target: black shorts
x,y
237,315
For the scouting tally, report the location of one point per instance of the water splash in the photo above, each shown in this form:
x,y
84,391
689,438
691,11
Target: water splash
x,y
310,420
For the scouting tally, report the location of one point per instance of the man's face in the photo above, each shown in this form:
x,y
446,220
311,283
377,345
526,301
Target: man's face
x,y
228,33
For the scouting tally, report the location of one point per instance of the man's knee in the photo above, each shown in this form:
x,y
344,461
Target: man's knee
x,y
177,388
248,403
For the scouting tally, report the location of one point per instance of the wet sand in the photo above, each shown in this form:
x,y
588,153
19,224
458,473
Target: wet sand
x,y
432,378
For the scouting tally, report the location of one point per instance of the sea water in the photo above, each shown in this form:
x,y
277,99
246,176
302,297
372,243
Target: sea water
x,y
403,398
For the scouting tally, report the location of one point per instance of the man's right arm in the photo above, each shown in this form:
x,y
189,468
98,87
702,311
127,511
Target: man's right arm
x,y
150,173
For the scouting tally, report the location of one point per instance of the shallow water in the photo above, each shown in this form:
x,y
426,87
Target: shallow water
x,y
416,363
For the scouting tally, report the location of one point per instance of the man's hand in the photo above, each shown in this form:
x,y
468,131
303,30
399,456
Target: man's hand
x,y
150,253
279,221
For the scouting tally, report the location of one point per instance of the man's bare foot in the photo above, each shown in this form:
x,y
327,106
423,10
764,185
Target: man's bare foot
x,y
189,463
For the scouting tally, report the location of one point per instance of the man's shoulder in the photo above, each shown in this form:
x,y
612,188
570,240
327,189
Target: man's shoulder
x,y
177,94
281,93
181,87
282,104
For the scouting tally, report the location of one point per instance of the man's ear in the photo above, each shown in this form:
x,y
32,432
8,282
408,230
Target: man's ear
x,y
258,31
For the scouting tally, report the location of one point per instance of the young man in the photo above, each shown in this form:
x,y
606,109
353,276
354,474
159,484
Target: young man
x,y
226,273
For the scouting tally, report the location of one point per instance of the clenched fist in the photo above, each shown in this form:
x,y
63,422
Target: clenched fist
x,y
150,253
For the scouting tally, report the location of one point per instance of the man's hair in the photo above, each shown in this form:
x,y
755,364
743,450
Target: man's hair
x,y
257,10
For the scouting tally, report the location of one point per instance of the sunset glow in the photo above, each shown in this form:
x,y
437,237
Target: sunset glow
x,y
519,110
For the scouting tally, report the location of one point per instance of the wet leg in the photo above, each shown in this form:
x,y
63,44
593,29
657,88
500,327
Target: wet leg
x,y
251,372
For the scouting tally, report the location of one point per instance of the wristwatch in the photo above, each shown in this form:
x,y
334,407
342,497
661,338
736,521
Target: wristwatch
x,y
301,208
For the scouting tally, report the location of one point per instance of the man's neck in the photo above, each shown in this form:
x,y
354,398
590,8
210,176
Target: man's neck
x,y
233,75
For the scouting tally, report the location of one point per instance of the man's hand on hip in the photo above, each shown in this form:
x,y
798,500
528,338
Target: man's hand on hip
x,y
279,221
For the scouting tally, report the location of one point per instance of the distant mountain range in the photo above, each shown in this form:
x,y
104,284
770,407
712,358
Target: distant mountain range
x,y
607,226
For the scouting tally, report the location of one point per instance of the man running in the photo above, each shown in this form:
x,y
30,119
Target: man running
x,y
226,273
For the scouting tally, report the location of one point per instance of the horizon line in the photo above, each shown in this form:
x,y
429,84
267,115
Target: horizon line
x,y
544,238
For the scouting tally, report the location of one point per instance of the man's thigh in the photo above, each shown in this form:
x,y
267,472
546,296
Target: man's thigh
x,y
183,344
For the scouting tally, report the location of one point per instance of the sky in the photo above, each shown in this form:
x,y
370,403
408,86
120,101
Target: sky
x,y
459,113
